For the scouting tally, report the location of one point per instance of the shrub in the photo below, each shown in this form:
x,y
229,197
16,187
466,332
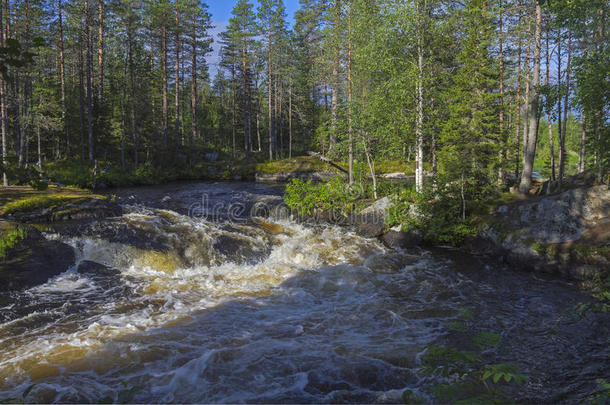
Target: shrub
x,y
466,374
306,197
13,237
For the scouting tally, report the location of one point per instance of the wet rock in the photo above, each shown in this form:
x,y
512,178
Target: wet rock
x,y
370,222
95,208
239,250
269,227
94,268
396,238
32,260
142,235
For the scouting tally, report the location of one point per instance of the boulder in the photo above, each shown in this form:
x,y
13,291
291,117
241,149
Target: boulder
x,y
97,269
95,208
396,238
548,233
371,221
31,260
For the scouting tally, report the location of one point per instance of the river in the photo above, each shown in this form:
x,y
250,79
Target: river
x,y
201,303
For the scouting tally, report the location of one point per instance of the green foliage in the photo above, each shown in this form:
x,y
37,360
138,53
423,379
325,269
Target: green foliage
x,y
601,296
442,211
468,375
306,197
299,164
602,395
12,238
15,55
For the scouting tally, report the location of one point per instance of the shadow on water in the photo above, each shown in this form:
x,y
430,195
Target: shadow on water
x,y
345,330
346,334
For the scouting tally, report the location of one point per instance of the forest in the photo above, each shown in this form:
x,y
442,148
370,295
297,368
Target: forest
x,y
361,201
487,91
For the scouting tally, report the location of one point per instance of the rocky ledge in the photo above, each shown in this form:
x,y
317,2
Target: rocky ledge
x,y
94,208
30,259
566,234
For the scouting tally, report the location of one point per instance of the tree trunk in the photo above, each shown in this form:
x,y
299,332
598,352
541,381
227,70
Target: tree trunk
x,y
233,121
518,109
132,97
349,98
244,67
39,149
530,151
559,111
562,140
194,81
100,55
502,150
371,163
153,110
550,119
334,99
279,118
81,96
164,83
583,137
62,80
177,78
290,120
528,85
269,96
3,115
88,29
419,126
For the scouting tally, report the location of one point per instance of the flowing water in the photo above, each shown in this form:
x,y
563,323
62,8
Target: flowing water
x,y
198,302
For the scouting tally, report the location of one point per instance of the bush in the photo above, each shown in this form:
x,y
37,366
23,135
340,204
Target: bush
x,y
12,238
306,197
440,212
466,374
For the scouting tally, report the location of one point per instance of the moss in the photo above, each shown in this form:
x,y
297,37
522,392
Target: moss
x,y
44,201
589,254
539,248
302,164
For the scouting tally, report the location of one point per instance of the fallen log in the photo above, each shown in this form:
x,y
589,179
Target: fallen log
x,y
326,160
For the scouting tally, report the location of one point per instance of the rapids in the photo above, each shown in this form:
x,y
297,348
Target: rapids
x,y
198,302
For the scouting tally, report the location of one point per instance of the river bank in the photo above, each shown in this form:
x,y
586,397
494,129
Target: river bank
x,y
173,295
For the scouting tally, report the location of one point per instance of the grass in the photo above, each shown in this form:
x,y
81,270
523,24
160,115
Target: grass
x,y
308,164
303,164
24,198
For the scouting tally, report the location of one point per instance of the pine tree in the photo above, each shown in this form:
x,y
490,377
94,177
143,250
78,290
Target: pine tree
x,y
471,136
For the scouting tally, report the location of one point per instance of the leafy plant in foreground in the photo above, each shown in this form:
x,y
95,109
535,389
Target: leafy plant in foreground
x,y
12,238
467,376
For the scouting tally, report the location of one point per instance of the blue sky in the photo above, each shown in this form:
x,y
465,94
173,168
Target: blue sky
x,y
221,12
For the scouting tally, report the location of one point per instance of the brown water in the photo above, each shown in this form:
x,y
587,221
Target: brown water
x,y
209,310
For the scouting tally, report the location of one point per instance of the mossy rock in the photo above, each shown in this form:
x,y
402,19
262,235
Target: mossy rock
x,y
33,259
